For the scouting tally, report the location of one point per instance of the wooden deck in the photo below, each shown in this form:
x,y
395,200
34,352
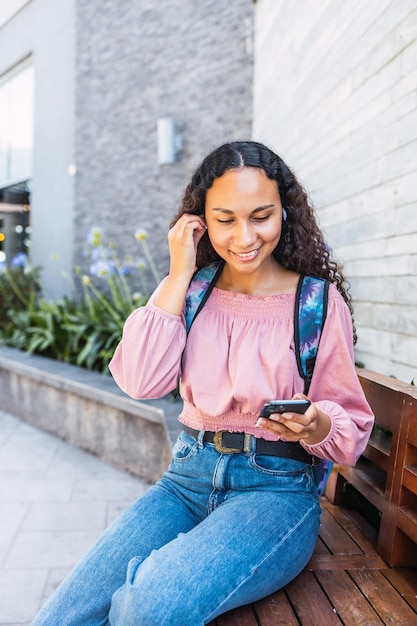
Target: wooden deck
x,y
345,583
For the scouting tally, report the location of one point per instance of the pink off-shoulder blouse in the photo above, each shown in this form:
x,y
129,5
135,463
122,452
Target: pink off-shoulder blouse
x,y
238,354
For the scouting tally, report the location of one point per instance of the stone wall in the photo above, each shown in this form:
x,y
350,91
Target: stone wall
x,y
137,62
335,93
89,411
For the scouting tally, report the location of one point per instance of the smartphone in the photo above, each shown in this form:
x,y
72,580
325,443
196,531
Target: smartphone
x,y
284,406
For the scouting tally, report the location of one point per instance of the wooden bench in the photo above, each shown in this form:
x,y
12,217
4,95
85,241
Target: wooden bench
x,y
360,574
386,475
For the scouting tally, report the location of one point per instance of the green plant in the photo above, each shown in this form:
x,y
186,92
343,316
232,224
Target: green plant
x,y
20,289
84,329
40,330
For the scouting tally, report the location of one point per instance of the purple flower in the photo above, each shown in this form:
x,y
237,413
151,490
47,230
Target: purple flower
x,y
19,260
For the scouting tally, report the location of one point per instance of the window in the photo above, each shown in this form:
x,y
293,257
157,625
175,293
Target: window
x,y
16,125
16,146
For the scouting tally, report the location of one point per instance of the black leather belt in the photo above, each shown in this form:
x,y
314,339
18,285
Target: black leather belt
x,y
228,443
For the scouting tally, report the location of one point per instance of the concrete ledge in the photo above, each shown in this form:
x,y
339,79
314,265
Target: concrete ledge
x,y
88,410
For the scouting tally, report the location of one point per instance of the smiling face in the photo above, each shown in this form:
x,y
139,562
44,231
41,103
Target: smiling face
x,y
243,214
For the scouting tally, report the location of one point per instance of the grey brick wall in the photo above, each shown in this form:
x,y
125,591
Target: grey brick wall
x,y
137,61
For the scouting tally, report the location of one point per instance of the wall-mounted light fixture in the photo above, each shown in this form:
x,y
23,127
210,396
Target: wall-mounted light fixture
x,y
169,141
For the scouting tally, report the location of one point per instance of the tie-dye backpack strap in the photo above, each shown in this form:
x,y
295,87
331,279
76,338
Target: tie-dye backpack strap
x,y
309,317
199,290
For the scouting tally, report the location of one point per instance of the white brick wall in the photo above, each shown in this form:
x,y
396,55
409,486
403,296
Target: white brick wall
x,y
335,93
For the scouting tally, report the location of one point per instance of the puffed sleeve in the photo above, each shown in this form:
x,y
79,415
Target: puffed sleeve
x,y
335,377
147,361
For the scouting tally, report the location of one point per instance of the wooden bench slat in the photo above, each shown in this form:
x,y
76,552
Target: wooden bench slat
x,y
354,525
407,522
310,603
381,441
347,599
384,597
335,538
410,478
405,582
367,480
385,400
276,611
345,561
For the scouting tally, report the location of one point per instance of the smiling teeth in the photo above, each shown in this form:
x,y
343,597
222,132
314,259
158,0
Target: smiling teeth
x,y
246,255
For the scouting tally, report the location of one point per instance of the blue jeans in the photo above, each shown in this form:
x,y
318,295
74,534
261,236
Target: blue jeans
x,y
215,532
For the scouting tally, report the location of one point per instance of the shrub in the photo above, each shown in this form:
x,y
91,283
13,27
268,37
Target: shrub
x,y
83,329
20,290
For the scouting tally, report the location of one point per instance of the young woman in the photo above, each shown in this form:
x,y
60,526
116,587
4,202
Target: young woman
x,y
223,529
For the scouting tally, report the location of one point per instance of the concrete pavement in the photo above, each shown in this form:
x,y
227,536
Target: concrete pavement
x,y
54,501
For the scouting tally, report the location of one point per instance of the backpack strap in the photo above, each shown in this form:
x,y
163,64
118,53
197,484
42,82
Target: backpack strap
x,y
200,288
310,312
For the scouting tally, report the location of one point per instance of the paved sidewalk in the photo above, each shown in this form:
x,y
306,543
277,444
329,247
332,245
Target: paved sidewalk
x,y
54,501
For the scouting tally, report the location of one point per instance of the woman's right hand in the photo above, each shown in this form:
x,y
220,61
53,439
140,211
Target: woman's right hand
x,y
183,239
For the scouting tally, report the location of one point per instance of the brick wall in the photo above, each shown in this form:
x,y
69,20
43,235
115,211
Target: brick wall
x,y
335,93
137,62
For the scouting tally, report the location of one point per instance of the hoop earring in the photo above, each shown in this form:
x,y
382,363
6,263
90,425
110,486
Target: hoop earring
x,y
284,214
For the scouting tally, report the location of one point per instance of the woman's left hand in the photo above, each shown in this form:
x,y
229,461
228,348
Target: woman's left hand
x,y
312,426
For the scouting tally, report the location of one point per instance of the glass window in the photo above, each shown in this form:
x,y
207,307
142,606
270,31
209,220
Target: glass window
x,y
16,125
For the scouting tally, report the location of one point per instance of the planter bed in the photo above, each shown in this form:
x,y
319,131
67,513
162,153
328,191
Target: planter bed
x,y
88,410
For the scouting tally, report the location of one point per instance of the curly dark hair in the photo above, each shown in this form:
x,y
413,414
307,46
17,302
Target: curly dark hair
x,y
302,247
